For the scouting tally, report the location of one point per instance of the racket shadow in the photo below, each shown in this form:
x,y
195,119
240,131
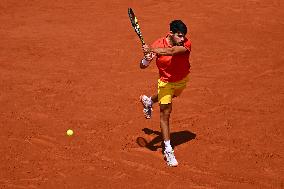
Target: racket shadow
x,y
177,138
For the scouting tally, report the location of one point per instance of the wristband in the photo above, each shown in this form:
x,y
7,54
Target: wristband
x,y
145,62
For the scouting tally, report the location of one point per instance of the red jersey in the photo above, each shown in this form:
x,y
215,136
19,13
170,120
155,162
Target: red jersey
x,y
172,68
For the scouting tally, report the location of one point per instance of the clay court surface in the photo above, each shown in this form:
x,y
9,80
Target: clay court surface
x,y
74,64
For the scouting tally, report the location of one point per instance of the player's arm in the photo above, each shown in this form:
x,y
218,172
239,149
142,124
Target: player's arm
x,y
148,57
169,51
145,62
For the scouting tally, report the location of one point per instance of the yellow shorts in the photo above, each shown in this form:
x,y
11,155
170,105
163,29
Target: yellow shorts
x,y
167,90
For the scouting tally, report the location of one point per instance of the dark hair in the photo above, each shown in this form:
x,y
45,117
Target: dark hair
x,y
178,26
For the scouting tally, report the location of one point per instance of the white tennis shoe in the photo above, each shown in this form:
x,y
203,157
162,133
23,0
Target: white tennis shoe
x,y
147,106
170,158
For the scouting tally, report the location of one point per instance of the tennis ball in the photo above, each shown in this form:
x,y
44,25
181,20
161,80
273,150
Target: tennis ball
x,y
69,132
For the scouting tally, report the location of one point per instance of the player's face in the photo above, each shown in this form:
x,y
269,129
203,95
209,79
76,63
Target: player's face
x,y
178,38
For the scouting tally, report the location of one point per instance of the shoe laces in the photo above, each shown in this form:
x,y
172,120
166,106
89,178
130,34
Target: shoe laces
x,y
147,102
170,155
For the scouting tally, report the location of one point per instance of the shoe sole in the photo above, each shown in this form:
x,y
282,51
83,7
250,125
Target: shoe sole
x,y
175,165
142,101
172,165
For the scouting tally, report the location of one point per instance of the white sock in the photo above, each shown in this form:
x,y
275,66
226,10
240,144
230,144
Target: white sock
x,y
168,146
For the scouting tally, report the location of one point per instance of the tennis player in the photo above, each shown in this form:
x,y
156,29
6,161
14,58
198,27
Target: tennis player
x,y
172,59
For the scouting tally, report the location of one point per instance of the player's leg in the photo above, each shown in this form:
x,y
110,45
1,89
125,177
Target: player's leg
x,y
165,95
165,112
154,98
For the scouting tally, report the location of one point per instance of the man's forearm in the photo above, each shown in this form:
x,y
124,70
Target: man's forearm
x,y
169,51
163,51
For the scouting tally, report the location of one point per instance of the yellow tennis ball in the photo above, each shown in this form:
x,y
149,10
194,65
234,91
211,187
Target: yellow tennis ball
x,y
69,132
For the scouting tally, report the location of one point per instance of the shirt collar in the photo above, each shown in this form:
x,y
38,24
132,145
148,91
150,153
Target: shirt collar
x,y
166,42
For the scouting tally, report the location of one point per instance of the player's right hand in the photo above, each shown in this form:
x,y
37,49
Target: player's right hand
x,y
149,56
146,48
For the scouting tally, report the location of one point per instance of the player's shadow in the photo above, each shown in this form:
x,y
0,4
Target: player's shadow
x,y
177,138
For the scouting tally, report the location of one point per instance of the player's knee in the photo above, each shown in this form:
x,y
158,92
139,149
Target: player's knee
x,y
166,109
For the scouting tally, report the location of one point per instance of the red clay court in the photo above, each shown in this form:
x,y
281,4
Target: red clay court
x,y
75,65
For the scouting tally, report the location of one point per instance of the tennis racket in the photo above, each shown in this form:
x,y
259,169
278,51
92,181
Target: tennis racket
x,y
135,25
